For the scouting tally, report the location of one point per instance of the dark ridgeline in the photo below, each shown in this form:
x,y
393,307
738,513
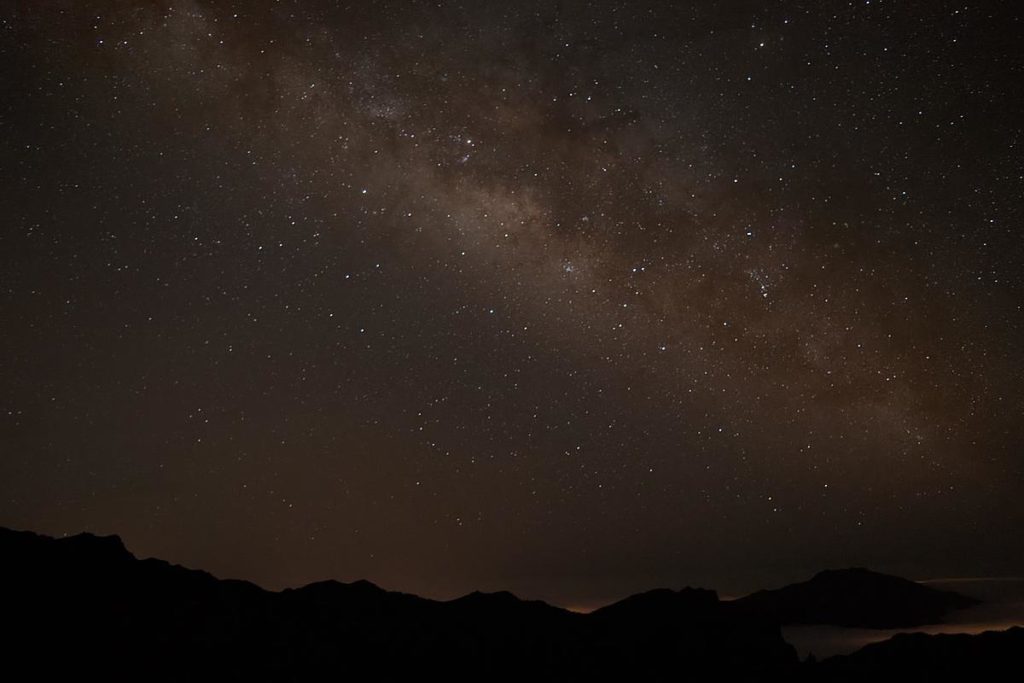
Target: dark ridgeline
x,y
856,598
989,656
85,606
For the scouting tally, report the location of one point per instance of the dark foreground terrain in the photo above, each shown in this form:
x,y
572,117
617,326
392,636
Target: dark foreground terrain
x,y
85,606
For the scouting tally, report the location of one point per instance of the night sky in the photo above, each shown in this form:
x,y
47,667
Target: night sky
x,y
568,299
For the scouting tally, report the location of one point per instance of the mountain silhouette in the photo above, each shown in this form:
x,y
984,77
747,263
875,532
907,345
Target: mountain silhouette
x,y
856,598
988,656
85,606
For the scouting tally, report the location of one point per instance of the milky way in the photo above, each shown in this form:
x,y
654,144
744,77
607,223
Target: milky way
x,y
570,299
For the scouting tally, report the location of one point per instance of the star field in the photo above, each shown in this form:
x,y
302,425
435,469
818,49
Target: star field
x,y
570,299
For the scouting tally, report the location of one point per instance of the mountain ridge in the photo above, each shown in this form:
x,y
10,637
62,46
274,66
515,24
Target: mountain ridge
x,y
87,592
854,597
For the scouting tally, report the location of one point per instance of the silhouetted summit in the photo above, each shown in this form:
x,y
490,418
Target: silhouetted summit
x,y
662,604
989,656
109,614
84,606
854,597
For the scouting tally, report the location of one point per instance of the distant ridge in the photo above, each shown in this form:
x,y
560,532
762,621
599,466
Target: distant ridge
x,y
854,597
88,599
989,656
83,605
